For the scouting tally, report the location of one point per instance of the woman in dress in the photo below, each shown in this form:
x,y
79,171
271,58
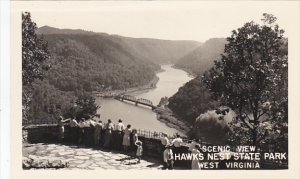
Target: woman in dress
x,y
126,138
195,161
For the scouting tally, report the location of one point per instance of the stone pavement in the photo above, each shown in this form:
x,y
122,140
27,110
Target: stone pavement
x,y
89,158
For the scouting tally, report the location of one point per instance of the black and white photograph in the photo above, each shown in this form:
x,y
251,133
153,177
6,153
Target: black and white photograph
x,y
155,86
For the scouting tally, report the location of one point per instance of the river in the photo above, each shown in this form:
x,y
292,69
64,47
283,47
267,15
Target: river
x,y
140,117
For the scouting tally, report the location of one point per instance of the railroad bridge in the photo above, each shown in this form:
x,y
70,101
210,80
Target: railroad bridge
x,y
136,101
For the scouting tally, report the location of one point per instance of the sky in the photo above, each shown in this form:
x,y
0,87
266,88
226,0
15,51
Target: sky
x,y
179,20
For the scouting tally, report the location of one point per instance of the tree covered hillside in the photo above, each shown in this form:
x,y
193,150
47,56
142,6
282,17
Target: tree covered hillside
x,y
201,59
193,98
83,61
90,62
79,63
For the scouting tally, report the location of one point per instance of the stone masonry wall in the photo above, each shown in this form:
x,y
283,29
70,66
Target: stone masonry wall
x,y
50,134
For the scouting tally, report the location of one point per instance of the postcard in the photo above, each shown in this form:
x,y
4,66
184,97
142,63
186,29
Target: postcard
x,y
104,87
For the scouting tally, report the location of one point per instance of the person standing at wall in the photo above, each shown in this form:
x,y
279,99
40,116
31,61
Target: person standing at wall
x,y
97,133
195,161
192,145
91,123
168,157
177,146
88,131
164,142
177,141
119,134
81,126
135,137
126,138
61,128
190,150
133,140
108,133
74,126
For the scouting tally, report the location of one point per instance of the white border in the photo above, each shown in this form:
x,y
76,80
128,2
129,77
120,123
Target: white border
x,y
4,89
294,121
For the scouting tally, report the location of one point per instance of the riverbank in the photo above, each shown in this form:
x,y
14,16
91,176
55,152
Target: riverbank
x,y
167,116
114,93
188,71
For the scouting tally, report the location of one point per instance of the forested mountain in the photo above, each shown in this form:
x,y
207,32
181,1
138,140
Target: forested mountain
x,y
154,50
88,60
193,98
83,61
201,59
91,61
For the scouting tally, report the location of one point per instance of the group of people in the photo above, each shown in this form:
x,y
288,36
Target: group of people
x,y
173,147
91,132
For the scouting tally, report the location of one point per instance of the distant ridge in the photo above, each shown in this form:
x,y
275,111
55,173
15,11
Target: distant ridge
x,y
51,30
201,59
154,50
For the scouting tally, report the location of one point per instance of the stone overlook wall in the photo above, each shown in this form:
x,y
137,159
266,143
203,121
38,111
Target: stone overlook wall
x,y
50,134
41,133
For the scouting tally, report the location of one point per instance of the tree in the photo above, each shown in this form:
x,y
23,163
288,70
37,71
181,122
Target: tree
x,y
191,100
34,51
35,56
251,78
85,107
48,102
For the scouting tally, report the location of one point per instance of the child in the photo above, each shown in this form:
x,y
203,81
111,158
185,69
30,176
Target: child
x,y
139,150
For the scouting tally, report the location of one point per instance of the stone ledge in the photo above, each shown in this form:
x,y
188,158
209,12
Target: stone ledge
x,y
34,126
43,162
